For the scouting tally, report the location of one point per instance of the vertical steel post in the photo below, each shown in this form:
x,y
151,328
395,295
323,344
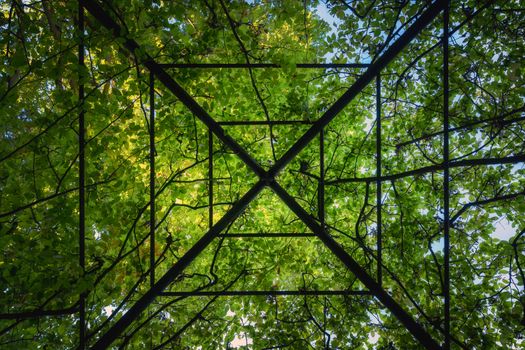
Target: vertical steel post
x,y
81,177
210,179
152,152
446,190
379,223
320,193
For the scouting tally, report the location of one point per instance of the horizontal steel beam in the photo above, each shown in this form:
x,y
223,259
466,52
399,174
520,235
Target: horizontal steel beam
x,y
263,65
266,293
267,235
23,315
267,122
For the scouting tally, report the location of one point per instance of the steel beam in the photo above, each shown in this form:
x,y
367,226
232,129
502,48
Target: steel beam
x,y
266,122
210,179
379,195
100,14
163,282
267,235
81,180
25,315
446,178
373,70
263,65
230,293
266,178
412,326
152,152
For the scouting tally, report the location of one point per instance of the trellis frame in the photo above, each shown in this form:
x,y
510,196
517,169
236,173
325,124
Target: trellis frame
x,y
211,179
267,179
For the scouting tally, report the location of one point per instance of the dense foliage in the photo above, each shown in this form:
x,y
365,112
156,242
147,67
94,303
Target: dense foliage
x,y
40,277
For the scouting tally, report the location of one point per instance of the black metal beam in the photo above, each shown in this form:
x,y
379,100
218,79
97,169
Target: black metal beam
x,y
267,122
100,14
24,315
379,219
320,184
373,70
446,178
81,179
263,65
266,293
267,235
412,326
210,179
152,196
163,282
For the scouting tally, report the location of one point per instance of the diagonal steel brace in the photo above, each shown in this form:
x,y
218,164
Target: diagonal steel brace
x,y
99,13
267,178
375,288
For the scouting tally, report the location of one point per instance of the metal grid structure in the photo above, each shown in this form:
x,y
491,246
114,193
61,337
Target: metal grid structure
x,y
158,72
211,180
268,179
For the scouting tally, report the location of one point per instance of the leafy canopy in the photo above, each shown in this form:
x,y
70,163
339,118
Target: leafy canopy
x,y
39,217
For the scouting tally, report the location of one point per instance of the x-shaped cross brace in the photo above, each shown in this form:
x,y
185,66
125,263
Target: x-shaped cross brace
x,y
267,178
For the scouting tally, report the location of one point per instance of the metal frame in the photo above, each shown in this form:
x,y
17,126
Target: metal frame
x,y
320,180
267,179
